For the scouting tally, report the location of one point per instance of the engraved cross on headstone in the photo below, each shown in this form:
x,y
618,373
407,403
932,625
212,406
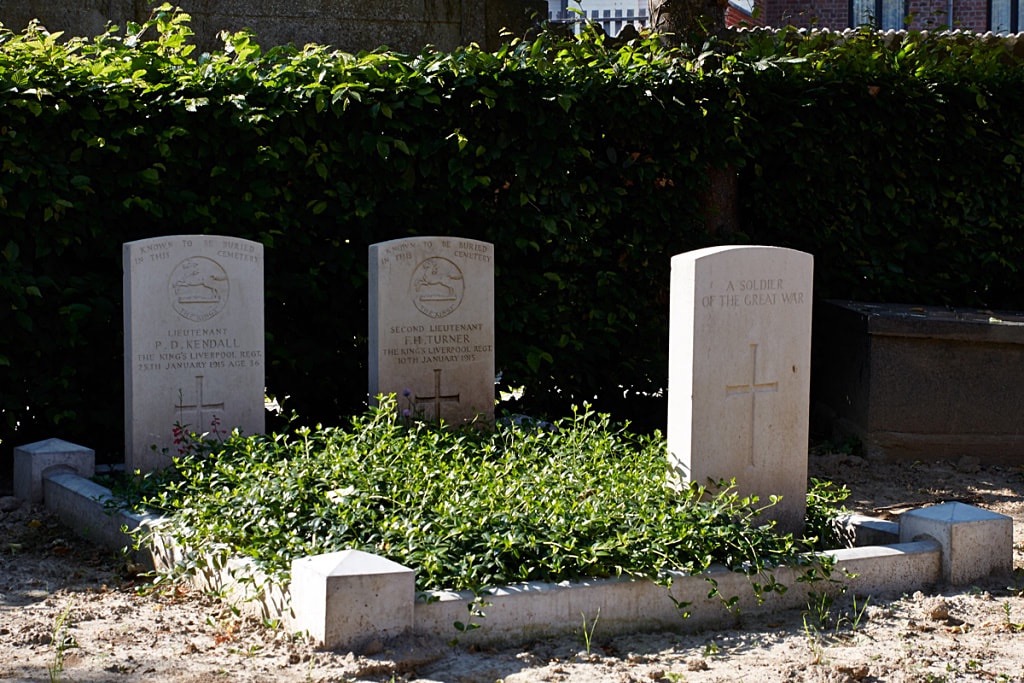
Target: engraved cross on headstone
x,y
752,388
199,406
438,397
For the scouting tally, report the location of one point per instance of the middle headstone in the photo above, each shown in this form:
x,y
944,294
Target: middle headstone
x,y
739,372
432,327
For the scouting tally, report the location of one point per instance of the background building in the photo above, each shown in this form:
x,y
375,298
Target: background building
x,y
613,15
998,16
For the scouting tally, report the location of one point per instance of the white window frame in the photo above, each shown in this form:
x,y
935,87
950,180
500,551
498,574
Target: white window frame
x,y
1005,16
882,14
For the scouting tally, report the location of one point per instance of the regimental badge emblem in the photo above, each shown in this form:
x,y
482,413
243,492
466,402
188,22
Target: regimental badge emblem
x,y
436,287
199,288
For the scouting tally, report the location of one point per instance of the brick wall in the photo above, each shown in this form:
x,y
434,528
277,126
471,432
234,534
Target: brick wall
x,y
833,14
971,15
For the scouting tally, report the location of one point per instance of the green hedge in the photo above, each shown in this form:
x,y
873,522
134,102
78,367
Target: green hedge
x,y
897,165
896,160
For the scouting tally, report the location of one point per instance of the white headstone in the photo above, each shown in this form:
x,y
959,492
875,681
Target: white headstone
x,y
432,327
193,342
739,372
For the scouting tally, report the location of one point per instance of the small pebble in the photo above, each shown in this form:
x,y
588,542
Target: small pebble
x,y
938,611
855,673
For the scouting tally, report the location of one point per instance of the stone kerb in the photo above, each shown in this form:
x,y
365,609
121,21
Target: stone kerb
x,y
975,542
84,506
345,598
536,610
75,501
350,598
33,460
193,342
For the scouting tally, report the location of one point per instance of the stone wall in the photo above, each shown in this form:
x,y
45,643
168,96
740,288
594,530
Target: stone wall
x,y
350,25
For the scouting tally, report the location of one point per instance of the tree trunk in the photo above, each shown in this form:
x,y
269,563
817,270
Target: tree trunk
x,y
720,202
689,21
692,22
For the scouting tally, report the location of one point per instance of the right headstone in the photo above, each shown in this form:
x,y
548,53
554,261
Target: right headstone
x,y
739,372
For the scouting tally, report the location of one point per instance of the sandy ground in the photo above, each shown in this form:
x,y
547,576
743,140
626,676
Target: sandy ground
x,y
71,612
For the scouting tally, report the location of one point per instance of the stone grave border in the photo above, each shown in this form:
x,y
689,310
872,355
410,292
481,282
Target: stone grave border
x,y
348,599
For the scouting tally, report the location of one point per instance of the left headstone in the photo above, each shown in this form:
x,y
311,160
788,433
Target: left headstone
x,y
193,342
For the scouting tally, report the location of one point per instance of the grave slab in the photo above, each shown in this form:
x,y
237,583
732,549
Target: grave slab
x,y
33,460
431,327
975,542
739,372
921,382
342,599
193,342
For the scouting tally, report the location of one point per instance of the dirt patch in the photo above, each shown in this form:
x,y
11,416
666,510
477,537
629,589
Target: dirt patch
x,y
71,612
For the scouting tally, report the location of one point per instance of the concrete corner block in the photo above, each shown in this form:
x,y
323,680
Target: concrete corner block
x,y
975,542
33,460
346,599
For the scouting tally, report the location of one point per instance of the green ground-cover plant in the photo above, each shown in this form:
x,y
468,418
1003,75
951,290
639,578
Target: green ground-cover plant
x,y
468,509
